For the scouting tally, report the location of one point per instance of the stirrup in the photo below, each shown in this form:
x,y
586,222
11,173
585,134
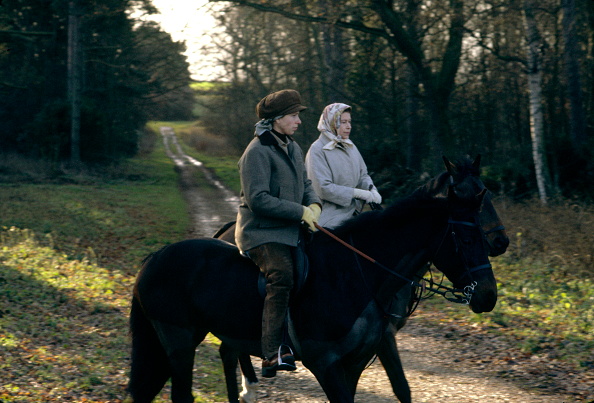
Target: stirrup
x,y
289,363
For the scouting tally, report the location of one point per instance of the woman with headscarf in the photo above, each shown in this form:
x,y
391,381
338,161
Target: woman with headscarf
x,y
337,170
276,196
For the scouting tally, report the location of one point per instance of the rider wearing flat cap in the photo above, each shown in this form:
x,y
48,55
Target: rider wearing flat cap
x,y
276,197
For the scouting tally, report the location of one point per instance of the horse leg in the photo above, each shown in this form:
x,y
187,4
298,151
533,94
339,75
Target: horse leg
x,y
149,369
336,384
230,357
388,355
180,346
249,379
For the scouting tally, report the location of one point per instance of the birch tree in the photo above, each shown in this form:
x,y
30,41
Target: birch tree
x,y
535,49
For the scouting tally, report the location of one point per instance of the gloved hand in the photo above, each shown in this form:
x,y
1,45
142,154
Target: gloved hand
x,y
317,210
364,195
376,197
308,217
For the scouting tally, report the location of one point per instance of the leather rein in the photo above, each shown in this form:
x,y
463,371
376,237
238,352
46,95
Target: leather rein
x,y
456,295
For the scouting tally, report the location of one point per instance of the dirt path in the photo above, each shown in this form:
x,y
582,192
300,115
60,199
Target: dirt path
x,y
450,363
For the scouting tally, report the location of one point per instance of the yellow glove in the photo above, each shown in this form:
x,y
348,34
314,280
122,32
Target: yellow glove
x,y
309,218
317,210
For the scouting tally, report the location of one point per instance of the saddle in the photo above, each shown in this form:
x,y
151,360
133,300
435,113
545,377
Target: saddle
x,y
300,271
299,257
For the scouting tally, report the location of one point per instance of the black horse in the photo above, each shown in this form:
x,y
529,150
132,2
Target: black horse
x,y
497,241
337,320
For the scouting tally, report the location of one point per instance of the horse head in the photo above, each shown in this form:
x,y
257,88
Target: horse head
x,y
462,254
491,224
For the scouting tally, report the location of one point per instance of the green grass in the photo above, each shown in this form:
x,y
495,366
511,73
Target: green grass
x,y
534,312
121,217
69,251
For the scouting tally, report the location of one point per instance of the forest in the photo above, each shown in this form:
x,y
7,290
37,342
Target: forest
x,y
510,80
119,73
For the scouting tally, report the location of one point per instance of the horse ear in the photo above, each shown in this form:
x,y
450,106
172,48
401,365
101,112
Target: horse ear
x,y
477,162
481,196
451,168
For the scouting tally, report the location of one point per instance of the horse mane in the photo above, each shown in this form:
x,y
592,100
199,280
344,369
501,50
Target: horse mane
x,y
435,187
429,199
410,208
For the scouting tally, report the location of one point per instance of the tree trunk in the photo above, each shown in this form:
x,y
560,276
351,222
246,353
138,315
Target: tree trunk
x,y
571,53
413,134
335,61
74,81
534,50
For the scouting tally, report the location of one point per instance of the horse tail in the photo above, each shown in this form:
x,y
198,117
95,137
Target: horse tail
x,y
150,368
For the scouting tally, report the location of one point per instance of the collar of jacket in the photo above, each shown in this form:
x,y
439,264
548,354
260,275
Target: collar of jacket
x,y
267,139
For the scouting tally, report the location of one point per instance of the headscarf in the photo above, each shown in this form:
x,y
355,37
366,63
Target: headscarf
x,y
329,124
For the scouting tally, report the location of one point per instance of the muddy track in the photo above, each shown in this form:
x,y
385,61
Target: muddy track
x,y
449,363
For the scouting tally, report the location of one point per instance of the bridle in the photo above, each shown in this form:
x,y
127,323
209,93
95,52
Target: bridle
x,y
469,270
456,295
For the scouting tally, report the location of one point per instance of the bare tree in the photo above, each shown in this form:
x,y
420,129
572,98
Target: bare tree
x,y
572,55
74,80
391,21
535,49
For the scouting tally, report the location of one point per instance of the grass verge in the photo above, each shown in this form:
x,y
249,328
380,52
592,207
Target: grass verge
x,y
69,251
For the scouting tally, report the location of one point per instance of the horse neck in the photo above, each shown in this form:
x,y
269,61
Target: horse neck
x,y
415,267
436,187
404,252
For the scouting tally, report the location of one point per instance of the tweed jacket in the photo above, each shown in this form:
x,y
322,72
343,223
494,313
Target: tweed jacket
x,y
334,175
274,189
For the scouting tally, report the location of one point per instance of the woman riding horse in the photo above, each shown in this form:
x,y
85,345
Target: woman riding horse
x,y
337,320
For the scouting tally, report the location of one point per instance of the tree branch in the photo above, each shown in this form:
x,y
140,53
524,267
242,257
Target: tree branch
x,y
308,18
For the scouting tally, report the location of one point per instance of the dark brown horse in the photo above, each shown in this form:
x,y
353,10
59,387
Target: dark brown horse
x,y
338,319
404,300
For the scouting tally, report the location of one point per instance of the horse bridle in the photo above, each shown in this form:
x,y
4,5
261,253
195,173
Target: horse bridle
x,y
470,270
456,295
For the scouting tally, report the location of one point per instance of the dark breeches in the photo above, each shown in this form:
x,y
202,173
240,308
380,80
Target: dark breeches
x,y
276,262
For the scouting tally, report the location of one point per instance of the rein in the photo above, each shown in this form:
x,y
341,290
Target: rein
x,y
498,228
459,296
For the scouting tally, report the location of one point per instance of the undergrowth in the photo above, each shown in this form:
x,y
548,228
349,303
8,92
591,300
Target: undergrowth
x,y
69,251
540,316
